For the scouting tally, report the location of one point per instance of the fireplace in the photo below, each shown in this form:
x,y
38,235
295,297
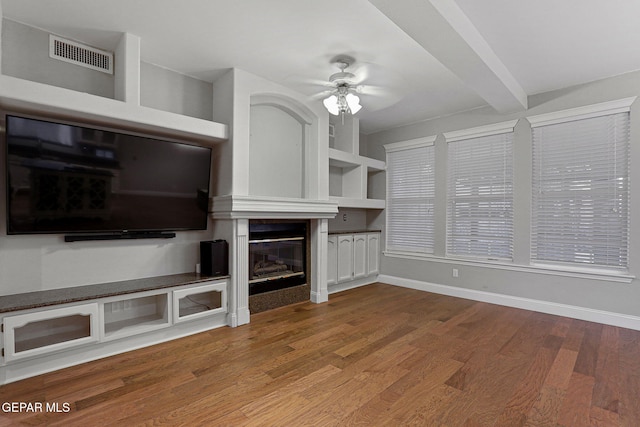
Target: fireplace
x,y
277,255
241,216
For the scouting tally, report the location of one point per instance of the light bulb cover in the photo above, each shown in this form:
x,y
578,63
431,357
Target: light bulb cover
x,y
331,104
353,101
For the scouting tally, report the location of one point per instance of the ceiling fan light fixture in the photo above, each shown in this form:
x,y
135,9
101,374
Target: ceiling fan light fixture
x,y
331,104
342,102
353,101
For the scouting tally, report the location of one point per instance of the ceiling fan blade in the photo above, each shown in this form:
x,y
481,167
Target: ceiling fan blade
x,y
372,90
375,103
322,95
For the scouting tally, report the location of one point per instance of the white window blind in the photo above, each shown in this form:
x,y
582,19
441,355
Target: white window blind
x,y
480,197
410,197
580,210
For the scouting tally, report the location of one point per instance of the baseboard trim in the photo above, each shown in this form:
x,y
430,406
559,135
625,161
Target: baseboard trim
x,y
574,312
320,297
353,284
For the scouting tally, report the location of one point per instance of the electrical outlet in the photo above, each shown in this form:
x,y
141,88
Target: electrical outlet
x,y
455,272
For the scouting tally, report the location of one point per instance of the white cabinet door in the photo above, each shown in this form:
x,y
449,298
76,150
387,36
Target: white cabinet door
x,y
373,253
332,260
47,331
199,301
345,257
359,255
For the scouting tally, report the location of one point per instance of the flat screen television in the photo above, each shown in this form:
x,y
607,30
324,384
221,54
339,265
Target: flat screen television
x,y
69,178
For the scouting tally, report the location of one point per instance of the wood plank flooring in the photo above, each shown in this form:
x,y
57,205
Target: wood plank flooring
x,y
378,355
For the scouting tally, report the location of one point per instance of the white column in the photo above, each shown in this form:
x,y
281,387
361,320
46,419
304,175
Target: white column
x,y
319,254
127,69
241,271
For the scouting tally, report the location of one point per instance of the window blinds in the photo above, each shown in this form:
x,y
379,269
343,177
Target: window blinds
x,y
480,197
410,197
580,210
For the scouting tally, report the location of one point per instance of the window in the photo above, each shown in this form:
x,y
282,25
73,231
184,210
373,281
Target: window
x,y
480,192
410,196
580,209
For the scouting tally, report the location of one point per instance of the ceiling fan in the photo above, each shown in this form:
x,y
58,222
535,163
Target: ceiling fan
x,y
347,86
343,99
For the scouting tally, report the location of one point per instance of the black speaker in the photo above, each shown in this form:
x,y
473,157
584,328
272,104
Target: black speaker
x,y
214,258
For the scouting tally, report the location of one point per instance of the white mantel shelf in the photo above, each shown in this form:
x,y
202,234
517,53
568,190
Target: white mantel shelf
x,y
350,202
37,98
260,207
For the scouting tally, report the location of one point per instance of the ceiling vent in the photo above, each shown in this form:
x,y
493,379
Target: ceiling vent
x,y
80,54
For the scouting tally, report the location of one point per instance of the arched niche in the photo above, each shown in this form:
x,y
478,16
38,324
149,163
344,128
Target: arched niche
x,y
280,142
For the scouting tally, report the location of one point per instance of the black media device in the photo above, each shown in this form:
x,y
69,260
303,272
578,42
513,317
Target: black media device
x,y
214,258
71,178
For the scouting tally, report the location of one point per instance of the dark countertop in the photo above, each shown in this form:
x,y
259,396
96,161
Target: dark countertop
x,y
50,297
353,231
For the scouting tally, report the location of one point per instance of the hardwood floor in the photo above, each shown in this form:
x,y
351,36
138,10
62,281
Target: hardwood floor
x,y
373,356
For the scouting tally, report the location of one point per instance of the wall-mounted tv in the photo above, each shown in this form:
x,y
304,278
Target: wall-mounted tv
x,y
67,178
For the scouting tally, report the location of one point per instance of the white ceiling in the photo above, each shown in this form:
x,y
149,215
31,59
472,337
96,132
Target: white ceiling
x,y
431,57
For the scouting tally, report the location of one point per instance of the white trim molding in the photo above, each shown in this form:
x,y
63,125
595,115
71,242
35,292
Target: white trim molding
x,y
574,312
477,132
19,94
586,112
352,284
411,143
259,207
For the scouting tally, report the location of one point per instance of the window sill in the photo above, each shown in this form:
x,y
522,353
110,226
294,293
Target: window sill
x,y
554,270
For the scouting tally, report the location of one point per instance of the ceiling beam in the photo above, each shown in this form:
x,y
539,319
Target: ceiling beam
x,y
443,30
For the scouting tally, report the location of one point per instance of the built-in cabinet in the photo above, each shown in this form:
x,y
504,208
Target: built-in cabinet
x,y
360,256
349,172
373,253
41,332
332,260
58,334
353,259
201,301
345,257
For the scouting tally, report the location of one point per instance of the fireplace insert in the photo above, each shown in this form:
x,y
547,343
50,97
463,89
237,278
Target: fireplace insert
x,y
277,255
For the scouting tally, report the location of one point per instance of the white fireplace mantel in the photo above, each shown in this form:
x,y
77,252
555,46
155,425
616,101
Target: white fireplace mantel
x,y
239,210
262,207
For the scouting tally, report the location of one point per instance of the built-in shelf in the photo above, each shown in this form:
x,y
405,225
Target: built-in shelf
x,y
24,95
349,172
349,176
45,333
137,315
346,202
344,160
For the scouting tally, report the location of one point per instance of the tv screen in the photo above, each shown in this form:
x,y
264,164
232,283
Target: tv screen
x,y
64,178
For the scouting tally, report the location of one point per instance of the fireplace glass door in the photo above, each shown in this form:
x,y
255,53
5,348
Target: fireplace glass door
x,y
276,261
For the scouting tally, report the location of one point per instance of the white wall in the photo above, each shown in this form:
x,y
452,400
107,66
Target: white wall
x,y
39,262
167,90
32,263
276,155
349,220
248,87
593,294
25,54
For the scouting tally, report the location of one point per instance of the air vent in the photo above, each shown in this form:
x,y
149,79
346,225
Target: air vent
x,y
79,54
